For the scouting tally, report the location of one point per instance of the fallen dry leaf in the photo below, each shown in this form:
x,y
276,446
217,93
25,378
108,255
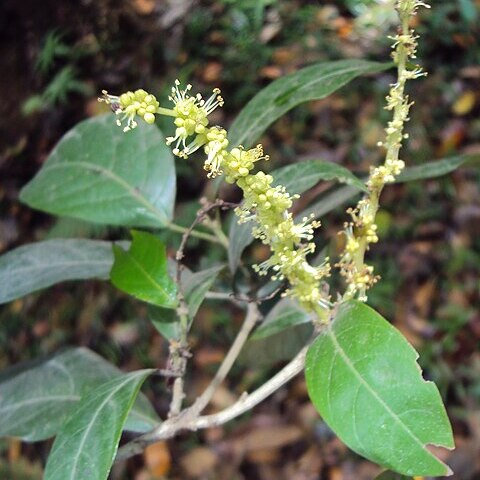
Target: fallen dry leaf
x,y
206,357
464,103
198,462
271,72
285,55
223,398
336,474
144,7
263,456
157,459
308,465
14,449
269,437
452,137
211,72
423,297
269,31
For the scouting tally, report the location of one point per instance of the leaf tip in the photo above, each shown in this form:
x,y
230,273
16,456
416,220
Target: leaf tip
x,y
449,471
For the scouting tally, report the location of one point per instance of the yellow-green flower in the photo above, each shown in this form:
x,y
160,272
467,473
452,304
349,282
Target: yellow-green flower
x,y
216,150
239,162
361,232
191,114
131,104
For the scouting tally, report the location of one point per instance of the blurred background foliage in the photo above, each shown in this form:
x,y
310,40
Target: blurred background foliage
x,y
55,57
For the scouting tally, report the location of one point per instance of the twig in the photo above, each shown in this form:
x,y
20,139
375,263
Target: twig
x,y
234,297
272,294
251,319
167,373
177,363
247,401
179,350
195,233
185,421
201,215
220,296
215,225
177,397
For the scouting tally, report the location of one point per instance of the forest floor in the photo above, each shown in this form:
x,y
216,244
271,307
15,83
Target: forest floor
x,y
55,58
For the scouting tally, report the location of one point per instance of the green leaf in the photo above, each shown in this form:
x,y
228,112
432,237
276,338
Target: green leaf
x,y
285,314
100,174
35,402
436,168
86,446
39,265
329,202
283,333
280,347
32,104
166,323
142,271
468,10
195,286
311,83
240,237
66,227
363,379
299,177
